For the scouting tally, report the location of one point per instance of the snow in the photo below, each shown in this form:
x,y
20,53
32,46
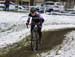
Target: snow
x,y
56,27
13,29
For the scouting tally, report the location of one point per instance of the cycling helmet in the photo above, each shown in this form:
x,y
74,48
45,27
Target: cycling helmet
x,y
32,10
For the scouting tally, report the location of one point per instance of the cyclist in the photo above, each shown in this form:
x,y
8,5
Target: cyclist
x,y
36,19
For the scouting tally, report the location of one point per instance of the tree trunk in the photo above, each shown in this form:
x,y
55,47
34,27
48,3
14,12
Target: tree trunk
x,y
31,2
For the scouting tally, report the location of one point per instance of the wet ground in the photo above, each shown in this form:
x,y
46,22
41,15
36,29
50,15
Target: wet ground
x,y
49,40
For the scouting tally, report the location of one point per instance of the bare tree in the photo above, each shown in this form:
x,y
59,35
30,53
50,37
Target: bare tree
x,y
70,4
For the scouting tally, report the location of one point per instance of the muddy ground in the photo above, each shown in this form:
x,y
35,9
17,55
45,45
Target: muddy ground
x,y
49,40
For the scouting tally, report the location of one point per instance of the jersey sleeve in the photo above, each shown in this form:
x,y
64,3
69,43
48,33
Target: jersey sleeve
x,y
28,20
41,18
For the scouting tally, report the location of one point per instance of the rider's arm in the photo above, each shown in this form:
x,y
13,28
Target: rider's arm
x,y
28,20
41,18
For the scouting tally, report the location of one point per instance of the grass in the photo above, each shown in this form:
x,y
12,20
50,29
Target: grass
x,y
50,39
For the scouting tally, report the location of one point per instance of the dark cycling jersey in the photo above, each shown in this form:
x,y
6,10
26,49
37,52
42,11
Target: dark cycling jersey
x,y
37,18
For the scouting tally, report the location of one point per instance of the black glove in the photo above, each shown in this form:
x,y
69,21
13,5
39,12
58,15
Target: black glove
x,y
27,25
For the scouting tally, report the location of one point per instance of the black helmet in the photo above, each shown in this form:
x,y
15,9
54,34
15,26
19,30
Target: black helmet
x,y
32,10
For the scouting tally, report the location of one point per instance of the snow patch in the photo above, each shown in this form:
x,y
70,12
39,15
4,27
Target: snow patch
x,y
13,28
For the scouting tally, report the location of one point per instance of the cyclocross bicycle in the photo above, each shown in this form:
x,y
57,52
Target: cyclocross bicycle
x,y
35,39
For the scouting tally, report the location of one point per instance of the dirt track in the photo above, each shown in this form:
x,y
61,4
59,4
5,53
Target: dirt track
x,y
50,39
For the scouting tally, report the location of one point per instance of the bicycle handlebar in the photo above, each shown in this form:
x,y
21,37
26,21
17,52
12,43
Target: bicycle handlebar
x,y
29,24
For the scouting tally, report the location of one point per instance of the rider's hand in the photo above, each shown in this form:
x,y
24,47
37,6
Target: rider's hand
x,y
38,23
27,25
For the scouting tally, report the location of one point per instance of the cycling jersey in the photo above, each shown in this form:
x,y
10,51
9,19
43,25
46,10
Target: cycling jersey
x,y
35,19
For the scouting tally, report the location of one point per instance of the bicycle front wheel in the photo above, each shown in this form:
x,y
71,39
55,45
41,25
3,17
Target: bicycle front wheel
x,y
33,41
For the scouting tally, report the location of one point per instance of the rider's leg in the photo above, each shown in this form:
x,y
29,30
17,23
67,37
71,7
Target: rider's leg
x,y
39,30
40,37
31,36
32,26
